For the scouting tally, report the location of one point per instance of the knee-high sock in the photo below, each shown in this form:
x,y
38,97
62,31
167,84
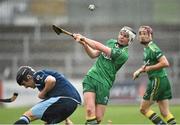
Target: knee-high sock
x,y
170,119
154,118
23,120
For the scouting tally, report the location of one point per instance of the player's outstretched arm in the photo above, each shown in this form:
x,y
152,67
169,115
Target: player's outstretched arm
x,y
97,46
90,51
93,44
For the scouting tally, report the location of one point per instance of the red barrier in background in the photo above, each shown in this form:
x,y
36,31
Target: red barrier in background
x,y
1,90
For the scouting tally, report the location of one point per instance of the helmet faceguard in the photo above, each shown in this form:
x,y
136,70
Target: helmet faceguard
x,y
22,73
132,34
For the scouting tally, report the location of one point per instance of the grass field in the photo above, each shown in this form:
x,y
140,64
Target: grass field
x,y
118,114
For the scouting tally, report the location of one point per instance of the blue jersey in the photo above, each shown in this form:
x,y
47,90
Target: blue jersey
x,y
62,86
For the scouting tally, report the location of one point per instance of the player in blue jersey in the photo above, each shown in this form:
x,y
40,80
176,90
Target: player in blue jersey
x,y
60,98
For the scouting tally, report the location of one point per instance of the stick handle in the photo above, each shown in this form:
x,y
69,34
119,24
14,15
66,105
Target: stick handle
x,y
143,68
146,64
67,32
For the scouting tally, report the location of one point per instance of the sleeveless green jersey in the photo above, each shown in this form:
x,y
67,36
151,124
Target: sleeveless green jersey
x,y
152,53
105,68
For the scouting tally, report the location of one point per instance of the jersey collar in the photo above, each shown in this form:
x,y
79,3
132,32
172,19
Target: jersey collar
x,y
119,45
148,44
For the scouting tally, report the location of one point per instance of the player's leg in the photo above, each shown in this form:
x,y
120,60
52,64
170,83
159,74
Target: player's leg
x,y
149,113
26,118
37,111
151,94
89,94
100,110
102,97
164,109
164,95
68,121
59,111
89,102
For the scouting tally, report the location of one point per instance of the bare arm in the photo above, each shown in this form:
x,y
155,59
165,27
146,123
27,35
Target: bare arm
x,y
90,51
93,44
98,46
162,62
49,84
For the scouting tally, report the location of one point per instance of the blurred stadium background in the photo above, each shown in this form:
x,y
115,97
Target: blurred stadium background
x,y
26,38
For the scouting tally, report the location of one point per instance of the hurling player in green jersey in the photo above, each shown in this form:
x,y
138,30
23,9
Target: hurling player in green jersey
x,y
158,88
100,78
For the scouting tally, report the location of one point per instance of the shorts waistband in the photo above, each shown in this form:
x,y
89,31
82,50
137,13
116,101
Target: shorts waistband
x,y
66,97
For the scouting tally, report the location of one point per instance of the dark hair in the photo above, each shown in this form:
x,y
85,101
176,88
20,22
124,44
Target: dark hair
x,y
22,73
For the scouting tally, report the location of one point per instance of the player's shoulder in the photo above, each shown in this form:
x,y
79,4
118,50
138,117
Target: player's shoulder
x,y
39,72
111,41
42,73
46,71
153,47
39,75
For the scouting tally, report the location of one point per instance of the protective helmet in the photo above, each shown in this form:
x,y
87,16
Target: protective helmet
x,y
22,73
131,32
148,29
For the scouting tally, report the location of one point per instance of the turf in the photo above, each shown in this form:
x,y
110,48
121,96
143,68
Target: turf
x,y
118,114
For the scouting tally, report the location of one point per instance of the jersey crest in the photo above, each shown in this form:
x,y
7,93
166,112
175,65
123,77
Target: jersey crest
x,y
38,77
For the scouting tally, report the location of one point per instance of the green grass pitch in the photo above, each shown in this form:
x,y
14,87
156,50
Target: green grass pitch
x,y
118,114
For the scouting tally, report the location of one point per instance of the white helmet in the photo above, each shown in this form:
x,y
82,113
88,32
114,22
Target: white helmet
x,y
131,32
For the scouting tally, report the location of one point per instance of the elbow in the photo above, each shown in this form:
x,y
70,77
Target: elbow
x,y
93,57
166,64
95,54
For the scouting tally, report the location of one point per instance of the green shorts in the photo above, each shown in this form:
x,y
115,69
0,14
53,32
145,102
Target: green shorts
x,y
101,90
158,89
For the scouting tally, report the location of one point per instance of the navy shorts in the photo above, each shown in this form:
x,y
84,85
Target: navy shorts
x,y
54,110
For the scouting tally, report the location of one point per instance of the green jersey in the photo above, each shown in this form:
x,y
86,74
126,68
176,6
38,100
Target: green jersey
x,y
152,53
105,68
